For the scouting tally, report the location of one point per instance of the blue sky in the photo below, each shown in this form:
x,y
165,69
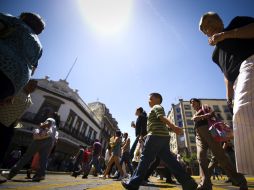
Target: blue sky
x,y
127,49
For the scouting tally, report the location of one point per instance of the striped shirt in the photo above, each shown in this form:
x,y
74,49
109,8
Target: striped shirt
x,y
154,125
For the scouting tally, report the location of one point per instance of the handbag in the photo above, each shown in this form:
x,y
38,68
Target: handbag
x,y
219,130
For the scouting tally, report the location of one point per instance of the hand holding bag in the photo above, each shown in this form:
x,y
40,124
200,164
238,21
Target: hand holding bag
x,y
219,130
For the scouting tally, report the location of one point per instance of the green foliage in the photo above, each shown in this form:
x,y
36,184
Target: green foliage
x,y
190,158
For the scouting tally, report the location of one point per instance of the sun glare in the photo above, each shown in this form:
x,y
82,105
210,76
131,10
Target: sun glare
x,y
106,17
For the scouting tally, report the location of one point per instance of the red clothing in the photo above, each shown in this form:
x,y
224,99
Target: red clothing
x,y
86,156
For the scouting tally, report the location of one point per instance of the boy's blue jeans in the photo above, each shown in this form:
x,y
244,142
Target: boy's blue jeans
x,y
158,146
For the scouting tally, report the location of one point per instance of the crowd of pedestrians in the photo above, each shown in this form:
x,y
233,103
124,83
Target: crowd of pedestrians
x,y
20,50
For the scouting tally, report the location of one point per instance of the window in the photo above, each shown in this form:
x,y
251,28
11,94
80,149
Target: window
x,y
77,124
49,105
94,135
178,110
192,139
216,108
70,120
189,122
229,117
225,109
219,116
182,138
180,124
187,107
193,149
84,128
188,114
89,135
178,117
191,130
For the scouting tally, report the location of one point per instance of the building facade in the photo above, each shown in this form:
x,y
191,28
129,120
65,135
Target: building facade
x,y
109,125
181,114
79,125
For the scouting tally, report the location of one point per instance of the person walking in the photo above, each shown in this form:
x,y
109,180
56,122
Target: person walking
x,y
20,50
96,152
115,157
140,128
234,54
11,113
157,144
205,141
79,157
44,138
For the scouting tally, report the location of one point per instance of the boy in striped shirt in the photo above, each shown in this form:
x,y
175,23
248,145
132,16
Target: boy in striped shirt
x,y
157,144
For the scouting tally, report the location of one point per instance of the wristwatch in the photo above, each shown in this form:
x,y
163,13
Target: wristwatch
x,y
229,101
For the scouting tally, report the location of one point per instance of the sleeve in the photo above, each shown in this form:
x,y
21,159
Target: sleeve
x,y
7,25
159,111
240,21
4,18
35,64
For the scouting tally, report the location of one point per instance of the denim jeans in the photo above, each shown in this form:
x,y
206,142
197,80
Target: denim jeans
x,y
43,147
158,146
126,158
94,161
133,147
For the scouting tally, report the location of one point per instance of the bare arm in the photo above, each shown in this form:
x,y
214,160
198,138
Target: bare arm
x,y
245,32
229,89
198,117
126,144
175,128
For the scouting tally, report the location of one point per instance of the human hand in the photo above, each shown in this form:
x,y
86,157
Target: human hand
x,y
214,39
177,130
196,118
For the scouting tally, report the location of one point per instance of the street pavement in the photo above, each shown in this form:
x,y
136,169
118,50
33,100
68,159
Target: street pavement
x,y
66,182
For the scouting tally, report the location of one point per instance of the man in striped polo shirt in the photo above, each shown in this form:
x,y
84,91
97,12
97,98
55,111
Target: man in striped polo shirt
x,y
157,144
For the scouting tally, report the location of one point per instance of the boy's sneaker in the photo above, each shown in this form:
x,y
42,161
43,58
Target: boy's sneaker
x,y
84,177
201,187
242,183
127,186
190,185
38,178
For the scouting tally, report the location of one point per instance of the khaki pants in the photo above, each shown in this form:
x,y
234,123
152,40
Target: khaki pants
x,y
204,142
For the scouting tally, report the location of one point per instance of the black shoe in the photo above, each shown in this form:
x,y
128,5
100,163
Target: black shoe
x,y
74,174
202,187
28,174
242,182
190,185
38,178
170,181
128,187
84,177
